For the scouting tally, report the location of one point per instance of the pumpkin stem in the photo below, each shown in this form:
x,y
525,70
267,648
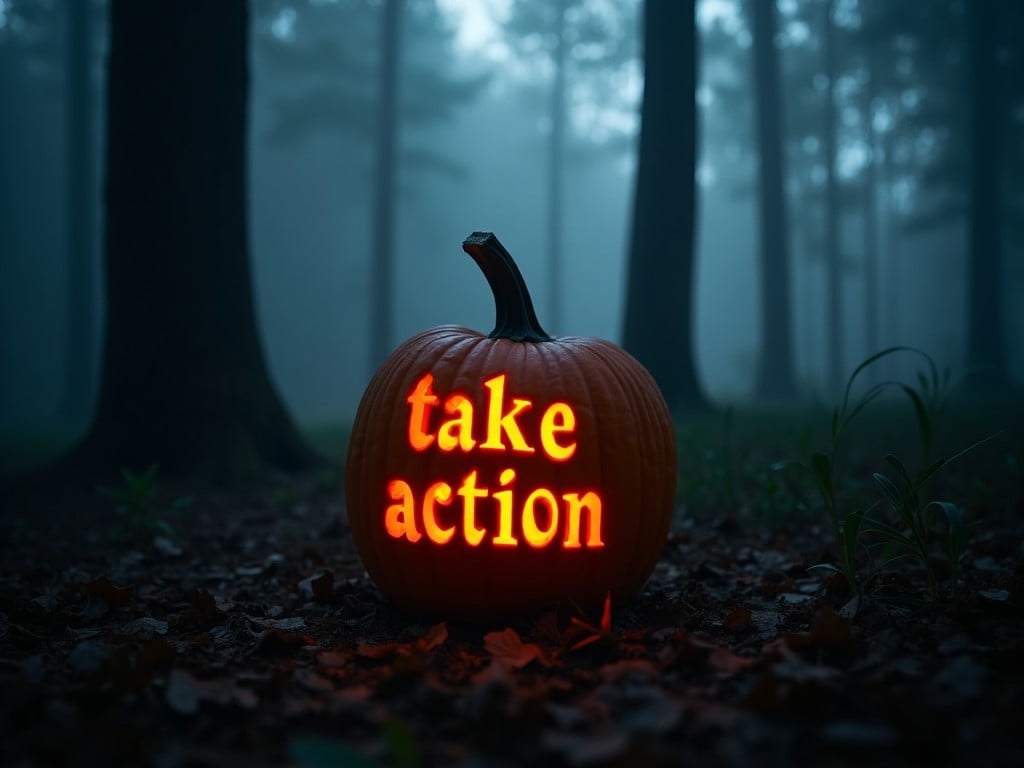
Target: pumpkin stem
x,y
514,315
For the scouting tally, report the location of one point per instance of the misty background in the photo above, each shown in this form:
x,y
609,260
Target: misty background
x,y
504,128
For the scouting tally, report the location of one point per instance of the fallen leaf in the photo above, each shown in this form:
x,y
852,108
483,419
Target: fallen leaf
x,y
166,547
373,651
48,602
851,608
433,637
995,595
738,618
319,586
429,641
794,598
606,613
331,659
146,627
201,612
828,630
102,588
509,649
276,642
290,624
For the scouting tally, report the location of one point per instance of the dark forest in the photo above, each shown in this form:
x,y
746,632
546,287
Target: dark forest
x,y
737,478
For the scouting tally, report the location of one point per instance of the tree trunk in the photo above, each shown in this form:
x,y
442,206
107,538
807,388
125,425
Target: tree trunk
x,y
184,382
986,356
555,172
775,374
870,220
80,146
382,251
833,257
892,281
659,299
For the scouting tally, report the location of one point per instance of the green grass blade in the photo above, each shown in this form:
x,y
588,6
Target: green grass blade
x,y
924,420
888,532
901,469
956,519
822,469
864,364
928,472
852,525
889,489
972,446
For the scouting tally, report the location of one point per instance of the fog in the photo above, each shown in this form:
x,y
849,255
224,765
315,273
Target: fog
x,y
482,163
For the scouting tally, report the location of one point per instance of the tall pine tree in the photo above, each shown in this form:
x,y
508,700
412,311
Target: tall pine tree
x,y
659,301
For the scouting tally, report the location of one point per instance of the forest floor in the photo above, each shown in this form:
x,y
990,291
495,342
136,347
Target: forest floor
x,y
240,629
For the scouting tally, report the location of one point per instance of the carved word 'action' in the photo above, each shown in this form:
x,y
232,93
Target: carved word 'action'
x,y
541,514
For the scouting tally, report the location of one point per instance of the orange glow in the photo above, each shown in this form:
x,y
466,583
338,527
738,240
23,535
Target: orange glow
x,y
536,537
592,503
497,422
568,510
505,537
457,432
421,400
400,518
437,493
470,493
500,428
536,521
559,417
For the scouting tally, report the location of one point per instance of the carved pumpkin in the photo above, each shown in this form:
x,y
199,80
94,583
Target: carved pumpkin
x,y
495,476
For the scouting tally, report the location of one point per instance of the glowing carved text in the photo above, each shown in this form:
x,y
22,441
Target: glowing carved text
x,y
537,521
441,511
556,425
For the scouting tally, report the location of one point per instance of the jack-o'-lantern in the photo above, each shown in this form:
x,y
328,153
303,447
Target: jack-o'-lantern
x,y
492,476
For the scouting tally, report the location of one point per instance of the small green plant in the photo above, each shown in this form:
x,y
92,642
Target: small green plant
x,y
137,502
911,531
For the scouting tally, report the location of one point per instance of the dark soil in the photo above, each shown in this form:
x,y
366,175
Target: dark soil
x,y
241,630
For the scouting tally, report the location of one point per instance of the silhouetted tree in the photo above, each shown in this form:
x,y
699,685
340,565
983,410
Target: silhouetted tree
x,y
577,39
80,159
373,97
31,112
659,299
547,21
986,354
775,374
332,77
869,219
556,151
382,252
834,340
966,78
184,381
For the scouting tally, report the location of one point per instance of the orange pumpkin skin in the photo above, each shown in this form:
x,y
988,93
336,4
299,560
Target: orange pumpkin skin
x,y
624,451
